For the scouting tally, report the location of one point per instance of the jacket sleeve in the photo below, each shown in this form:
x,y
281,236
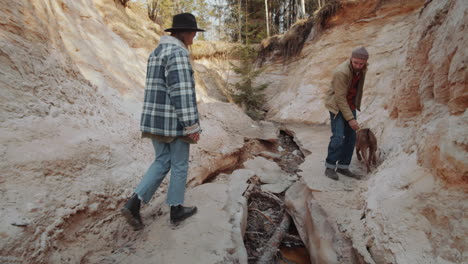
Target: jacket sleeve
x,y
340,88
181,88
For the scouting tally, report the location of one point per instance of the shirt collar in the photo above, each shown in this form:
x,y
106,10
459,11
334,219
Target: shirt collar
x,y
172,40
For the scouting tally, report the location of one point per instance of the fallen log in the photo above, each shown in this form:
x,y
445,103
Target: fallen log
x,y
270,249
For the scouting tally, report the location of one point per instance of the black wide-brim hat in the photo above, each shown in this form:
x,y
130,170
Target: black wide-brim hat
x,y
184,22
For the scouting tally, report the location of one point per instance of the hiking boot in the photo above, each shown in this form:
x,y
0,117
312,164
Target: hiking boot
x,y
331,173
347,172
131,212
179,213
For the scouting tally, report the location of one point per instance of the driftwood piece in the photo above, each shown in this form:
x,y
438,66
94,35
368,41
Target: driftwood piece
x,y
270,249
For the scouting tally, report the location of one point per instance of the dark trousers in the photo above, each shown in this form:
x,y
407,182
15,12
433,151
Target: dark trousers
x,y
342,141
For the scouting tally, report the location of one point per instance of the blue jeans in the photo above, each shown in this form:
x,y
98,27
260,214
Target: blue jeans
x,y
342,141
172,156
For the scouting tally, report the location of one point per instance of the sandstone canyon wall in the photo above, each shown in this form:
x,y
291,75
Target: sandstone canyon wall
x,y
416,83
415,101
72,77
70,86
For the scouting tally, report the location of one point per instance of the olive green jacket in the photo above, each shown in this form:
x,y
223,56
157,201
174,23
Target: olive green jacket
x,y
335,100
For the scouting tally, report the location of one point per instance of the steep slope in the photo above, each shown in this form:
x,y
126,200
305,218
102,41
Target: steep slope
x,y
69,147
416,80
72,76
415,101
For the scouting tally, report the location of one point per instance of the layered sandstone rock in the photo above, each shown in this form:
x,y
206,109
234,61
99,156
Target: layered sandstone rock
x,y
72,79
416,83
72,75
415,101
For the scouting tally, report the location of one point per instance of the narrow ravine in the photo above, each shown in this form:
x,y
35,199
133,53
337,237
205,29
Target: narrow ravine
x,y
262,219
73,77
265,214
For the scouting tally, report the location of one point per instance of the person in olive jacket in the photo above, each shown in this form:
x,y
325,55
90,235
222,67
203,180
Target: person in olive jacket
x,y
342,101
170,119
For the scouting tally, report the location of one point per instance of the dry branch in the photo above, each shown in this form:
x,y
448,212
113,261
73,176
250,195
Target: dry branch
x,y
267,200
269,196
270,249
292,239
124,2
262,214
254,182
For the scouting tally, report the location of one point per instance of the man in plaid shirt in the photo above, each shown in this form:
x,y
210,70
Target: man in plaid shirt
x,y
170,119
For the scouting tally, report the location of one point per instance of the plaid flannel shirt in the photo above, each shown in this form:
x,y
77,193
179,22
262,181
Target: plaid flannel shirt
x,y
170,105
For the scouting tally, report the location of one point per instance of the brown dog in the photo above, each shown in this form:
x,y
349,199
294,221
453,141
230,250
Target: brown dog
x,y
365,140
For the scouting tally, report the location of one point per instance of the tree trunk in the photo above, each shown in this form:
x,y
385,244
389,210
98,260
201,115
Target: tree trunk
x,y
267,16
295,11
302,12
240,21
246,22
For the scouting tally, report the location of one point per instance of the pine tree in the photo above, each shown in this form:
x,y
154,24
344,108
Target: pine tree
x,y
164,10
246,94
248,21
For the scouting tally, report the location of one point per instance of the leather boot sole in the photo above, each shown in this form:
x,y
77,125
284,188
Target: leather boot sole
x,y
177,221
135,223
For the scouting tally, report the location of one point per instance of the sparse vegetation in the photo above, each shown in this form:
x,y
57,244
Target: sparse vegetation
x,y
288,45
291,43
162,11
247,94
206,49
327,11
152,9
124,2
294,39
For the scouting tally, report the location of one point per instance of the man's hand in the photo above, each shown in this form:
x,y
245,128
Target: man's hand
x,y
353,124
195,136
